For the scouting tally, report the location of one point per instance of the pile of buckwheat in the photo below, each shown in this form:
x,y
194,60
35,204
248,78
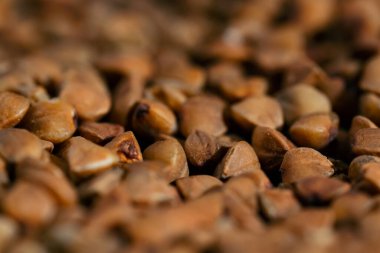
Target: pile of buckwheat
x,y
189,126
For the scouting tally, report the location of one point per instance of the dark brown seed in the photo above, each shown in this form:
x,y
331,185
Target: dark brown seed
x,y
13,108
85,90
278,204
320,189
86,158
301,100
270,146
258,111
195,186
18,144
153,118
30,204
239,159
204,113
200,148
171,152
300,163
315,130
366,142
99,132
52,120
126,147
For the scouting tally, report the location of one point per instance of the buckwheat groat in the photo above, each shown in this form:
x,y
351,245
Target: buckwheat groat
x,y
239,159
203,113
300,163
35,211
189,126
50,177
200,148
301,100
51,120
99,132
320,189
278,204
153,118
370,77
18,144
366,142
13,108
315,130
86,158
369,106
171,152
84,84
126,147
261,111
270,146
360,122
195,186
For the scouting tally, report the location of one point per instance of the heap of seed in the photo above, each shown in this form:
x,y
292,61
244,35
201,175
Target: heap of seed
x,y
189,126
